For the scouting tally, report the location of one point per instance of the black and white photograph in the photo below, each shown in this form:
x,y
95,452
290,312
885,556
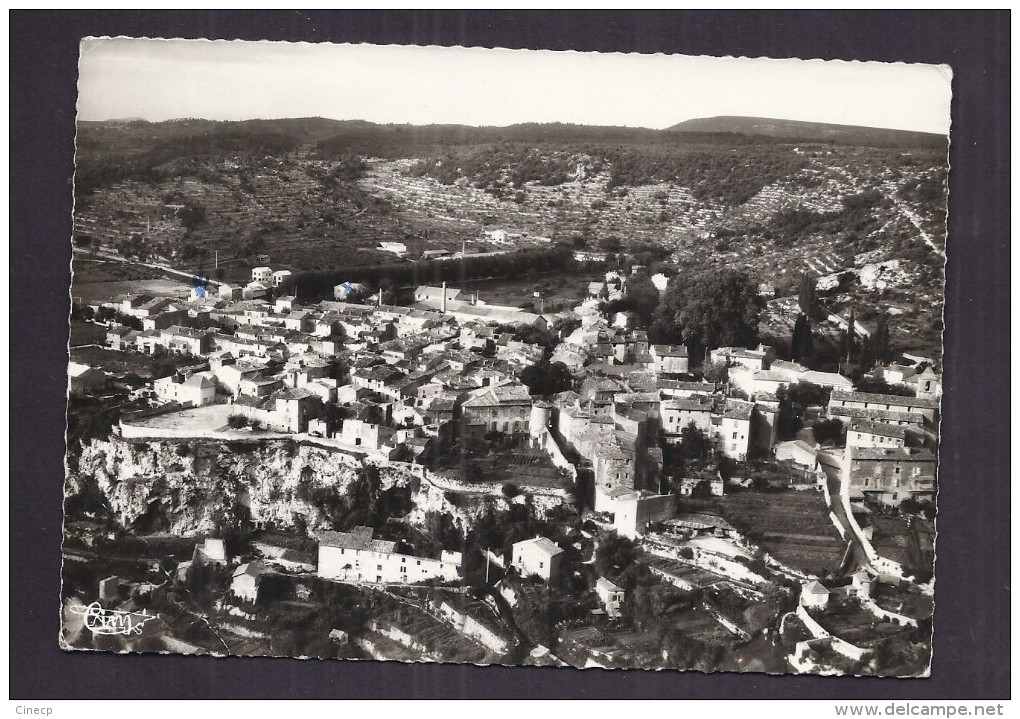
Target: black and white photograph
x,y
505,357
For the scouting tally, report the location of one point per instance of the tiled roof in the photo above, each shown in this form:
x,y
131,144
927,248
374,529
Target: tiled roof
x,y
909,454
501,395
889,399
879,428
669,350
547,546
357,538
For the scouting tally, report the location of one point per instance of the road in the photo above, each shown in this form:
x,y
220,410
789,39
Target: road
x,y
111,257
858,558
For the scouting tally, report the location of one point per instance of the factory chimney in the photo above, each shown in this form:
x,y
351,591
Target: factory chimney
x,y
444,297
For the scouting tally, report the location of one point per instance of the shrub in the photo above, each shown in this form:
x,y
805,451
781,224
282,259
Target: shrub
x,y
237,421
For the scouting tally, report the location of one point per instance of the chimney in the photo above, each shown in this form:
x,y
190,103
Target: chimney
x,y
444,297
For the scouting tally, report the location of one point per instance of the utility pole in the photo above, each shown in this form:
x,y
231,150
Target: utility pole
x,y
217,259
486,566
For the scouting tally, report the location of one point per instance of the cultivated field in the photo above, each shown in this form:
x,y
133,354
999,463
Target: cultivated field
x,y
791,525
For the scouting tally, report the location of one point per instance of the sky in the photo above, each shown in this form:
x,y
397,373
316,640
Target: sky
x,y
237,80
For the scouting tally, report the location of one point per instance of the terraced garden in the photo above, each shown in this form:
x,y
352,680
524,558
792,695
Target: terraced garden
x,y
793,526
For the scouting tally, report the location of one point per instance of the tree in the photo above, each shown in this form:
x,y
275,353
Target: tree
x,y
828,430
713,309
848,336
807,297
610,243
802,342
237,421
717,372
880,340
793,402
546,378
694,443
192,215
614,555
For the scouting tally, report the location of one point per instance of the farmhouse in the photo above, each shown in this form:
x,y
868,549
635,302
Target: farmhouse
x,y
813,595
244,583
538,556
610,595
356,557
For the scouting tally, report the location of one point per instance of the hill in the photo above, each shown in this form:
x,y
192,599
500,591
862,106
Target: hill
x,y
798,131
319,194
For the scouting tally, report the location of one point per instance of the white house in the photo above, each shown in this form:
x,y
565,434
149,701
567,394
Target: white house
x,y
799,452
280,276
359,433
897,374
254,291
261,274
538,556
670,359
733,428
245,582
196,391
610,595
356,557
813,595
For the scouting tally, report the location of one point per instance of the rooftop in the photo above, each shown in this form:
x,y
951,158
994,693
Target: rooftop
x,y
501,395
906,454
889,399
357,538
547,546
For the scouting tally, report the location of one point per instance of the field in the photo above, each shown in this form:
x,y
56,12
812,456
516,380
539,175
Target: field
x,y
793,526
559,291
87,333
856,625
903,600
911,546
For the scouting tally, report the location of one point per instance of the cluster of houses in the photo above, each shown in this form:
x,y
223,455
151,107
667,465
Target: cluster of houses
x,y
263,281
410,379
407,372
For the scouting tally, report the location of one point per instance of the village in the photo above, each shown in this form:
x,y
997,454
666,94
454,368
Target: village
x,y
602,500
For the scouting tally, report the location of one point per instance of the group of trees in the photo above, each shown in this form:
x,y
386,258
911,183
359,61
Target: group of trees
x,y
547,378
639,297
794,400
316,285
828,431
855,220
106,158
713,309
496,168
719,172
866,351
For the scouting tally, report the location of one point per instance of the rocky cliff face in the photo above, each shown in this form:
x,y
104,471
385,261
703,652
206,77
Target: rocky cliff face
x,y
196,486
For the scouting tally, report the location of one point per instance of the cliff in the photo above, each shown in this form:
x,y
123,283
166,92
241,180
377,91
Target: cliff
x,y
199,486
